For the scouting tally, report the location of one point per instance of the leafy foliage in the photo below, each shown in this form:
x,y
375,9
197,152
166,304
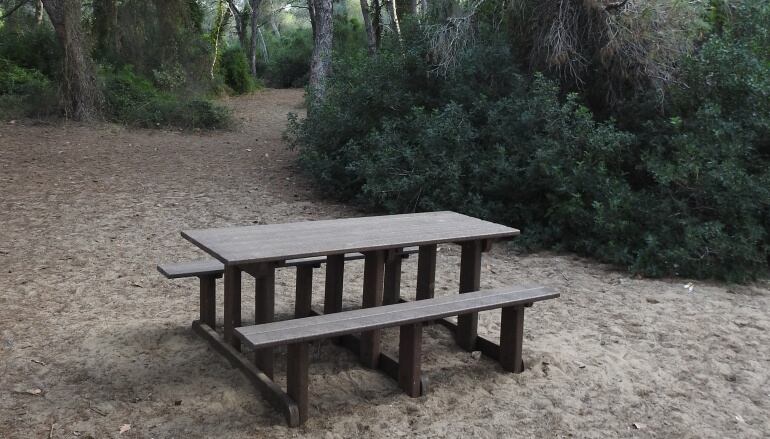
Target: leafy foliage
x,y
234,67
24,92
686,193
134,100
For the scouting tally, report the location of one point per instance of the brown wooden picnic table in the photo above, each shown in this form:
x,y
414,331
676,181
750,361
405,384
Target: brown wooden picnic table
x,y
259,250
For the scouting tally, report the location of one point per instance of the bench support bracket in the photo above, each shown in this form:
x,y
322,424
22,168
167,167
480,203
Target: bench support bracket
x,y
262,383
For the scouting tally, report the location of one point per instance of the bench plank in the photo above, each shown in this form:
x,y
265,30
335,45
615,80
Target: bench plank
x,y
361,320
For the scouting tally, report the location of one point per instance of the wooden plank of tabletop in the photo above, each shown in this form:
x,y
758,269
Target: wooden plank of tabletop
x,y
275,242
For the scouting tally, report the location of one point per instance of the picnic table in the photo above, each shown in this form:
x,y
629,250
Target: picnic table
x,y
259,250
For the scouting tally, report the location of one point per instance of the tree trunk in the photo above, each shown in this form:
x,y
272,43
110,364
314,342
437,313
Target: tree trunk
x,y
311,12
106,27
79,92
240,29
371,39
263,46
377,22
38,12
254,35
424,7
274,25
391,5
321,61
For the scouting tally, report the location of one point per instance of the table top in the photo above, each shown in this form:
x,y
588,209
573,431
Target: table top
x,y
276,242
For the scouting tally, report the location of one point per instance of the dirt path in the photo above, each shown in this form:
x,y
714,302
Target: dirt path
x,y
86,213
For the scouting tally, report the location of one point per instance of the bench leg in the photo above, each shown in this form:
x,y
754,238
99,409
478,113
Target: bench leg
x,y
392,288
264,312
409,355
470,280
297,363
426,272
208,300
374,268
232,304
335,273
511,338
304,291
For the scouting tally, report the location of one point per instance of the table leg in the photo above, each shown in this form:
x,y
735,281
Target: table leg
x,y
470,280
232,304
335,272
304,291
511,338
374,270
297,363
392,288
264,312
409,356
426,272
208,300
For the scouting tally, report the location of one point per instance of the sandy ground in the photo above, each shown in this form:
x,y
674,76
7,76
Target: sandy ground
x,y
93,338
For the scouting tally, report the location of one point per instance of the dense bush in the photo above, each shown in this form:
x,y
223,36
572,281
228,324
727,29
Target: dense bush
x,y
134,100
25,92
289,64
234,67
686,192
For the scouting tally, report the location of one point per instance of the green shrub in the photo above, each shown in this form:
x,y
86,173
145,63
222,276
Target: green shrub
x,y
289,64
134,100
234,67
25,92
33,47
684,194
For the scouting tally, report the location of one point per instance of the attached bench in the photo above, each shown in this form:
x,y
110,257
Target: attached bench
x,y
209,270
409,316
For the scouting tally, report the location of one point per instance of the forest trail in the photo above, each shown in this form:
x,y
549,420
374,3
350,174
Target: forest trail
x,y
93,338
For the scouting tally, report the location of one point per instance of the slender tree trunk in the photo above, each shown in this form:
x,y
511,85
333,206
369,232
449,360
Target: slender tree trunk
x,y
222,16
80,94
263,46
391,5
371,39
311,12
106,27
423,7
253,21
240,28
377,22
321,61
274,26
38,12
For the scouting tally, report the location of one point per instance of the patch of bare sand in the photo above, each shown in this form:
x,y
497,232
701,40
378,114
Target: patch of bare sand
x,y
87,211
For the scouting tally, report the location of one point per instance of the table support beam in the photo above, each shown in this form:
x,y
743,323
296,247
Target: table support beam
x,y
335,275
392,288
374,270
470,280
264,312
232,304
304,291
262,383
426,272
297,365
409,358
511,338
208,300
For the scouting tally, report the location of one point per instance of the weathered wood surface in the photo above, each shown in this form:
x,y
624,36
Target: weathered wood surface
x,y
276,242
367,319
206,267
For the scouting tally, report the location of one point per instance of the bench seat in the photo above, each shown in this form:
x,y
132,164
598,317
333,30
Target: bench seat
x,y
409,317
